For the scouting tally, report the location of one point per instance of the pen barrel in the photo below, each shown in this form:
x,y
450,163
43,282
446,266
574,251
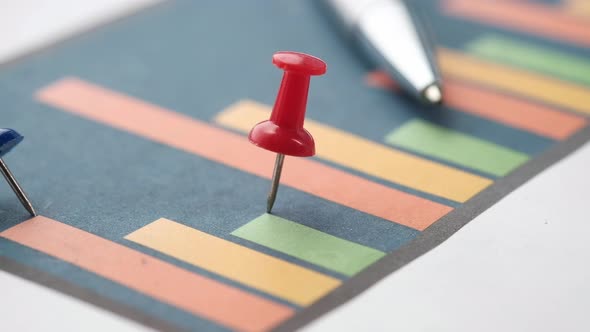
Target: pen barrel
x,y
348,12
393,38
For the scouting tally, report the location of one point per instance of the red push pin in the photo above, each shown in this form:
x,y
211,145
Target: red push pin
x,y
284,132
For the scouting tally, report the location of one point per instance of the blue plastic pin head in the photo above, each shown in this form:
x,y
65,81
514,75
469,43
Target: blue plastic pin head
x,y
8,140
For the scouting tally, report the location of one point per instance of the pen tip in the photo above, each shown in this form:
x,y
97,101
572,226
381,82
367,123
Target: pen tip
x,y
433,94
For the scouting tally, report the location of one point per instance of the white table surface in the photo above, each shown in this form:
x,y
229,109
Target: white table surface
x,y
27,25
522,265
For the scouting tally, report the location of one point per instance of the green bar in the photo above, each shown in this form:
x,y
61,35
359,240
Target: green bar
x,y
533,57
446,144
308,244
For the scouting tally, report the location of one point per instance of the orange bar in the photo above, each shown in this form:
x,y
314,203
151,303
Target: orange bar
x,y
163,281
516,81
511,111
193,136
247,266
519,113
527,16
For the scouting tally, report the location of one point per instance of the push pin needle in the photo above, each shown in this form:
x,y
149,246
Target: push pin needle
x,y
8,140
276,177
283,133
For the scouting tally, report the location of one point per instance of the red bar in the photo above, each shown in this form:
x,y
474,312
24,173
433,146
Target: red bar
x,y
193,136
526,16
511,111
228,306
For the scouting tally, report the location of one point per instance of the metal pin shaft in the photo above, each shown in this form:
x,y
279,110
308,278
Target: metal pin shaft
x,y
16,188
276,177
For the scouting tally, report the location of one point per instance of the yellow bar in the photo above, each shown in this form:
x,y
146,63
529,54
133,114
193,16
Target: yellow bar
x,y
368,157
249,267
512,80
578,7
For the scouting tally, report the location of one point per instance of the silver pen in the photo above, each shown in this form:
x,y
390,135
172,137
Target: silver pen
x,y
395,41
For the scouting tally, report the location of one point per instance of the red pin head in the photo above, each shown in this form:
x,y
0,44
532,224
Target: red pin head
x,y
283,133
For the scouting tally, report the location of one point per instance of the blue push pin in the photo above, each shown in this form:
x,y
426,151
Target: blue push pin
x,y
8,140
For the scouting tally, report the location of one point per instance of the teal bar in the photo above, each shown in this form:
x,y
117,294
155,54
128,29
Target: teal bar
x,y
308,244
532,57
455,147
